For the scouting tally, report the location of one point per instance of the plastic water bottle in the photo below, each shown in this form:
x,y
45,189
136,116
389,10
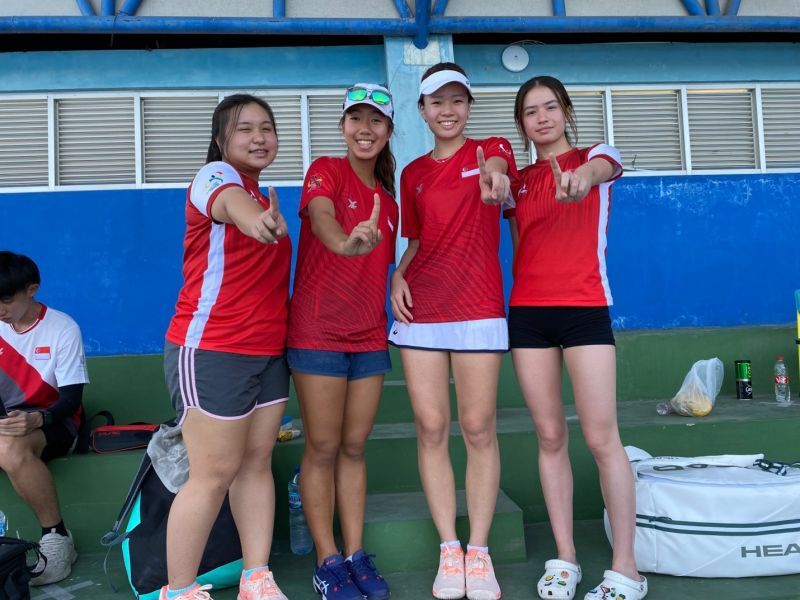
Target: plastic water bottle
x,y
3,523
299,535
782,394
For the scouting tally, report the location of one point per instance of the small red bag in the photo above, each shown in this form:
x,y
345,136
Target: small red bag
x,y
107,439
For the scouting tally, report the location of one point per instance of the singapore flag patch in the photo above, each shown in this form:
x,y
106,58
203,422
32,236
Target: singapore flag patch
x,y
41,353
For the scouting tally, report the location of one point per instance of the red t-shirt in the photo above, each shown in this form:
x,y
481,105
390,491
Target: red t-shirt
x,y
561,255
236,290
455,275
339,302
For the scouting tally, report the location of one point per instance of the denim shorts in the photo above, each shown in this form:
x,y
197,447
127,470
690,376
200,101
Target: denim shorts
x,y
350,365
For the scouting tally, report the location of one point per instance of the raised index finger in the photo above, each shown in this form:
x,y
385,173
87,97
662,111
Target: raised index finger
x,y
274,207
481,161
376,208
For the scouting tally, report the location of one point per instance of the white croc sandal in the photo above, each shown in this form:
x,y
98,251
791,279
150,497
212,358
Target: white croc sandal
x,y
616,586
559,580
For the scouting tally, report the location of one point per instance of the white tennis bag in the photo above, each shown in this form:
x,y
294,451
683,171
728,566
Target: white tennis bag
x,y
715,516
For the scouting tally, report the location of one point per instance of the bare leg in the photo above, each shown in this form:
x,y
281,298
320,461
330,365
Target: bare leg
x,y
252,493
19,458
428,378
592,370
322,402
215,448
539,374
363,399
476,377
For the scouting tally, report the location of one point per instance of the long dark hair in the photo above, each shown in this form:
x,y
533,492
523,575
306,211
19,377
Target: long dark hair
x,y
560,92
224,120
443,66
385,164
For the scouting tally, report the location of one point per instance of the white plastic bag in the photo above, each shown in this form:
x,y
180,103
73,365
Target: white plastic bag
x,y
700,389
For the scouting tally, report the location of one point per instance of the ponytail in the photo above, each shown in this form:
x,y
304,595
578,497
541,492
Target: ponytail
x,y
214,153
384,169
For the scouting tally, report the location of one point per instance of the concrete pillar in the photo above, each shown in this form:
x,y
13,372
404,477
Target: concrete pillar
x,y
405,64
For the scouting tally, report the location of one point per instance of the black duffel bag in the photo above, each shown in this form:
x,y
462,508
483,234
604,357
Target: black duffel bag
x,y
15,572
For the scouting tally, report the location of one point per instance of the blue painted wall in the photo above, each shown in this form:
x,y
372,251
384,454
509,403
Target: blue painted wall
x,y
683,251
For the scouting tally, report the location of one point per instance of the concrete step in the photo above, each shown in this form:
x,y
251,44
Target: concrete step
x,y
517,580
398,528
92,487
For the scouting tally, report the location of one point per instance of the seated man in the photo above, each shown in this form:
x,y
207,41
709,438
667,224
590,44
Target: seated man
x,y
42,373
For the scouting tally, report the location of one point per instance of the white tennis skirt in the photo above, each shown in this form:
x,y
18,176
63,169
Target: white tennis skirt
x,y
481,335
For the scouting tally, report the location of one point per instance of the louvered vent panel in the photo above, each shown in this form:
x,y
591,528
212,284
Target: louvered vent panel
x,y
492,114
590,117
95,141
721,131
647,129
324,113
176,132
23,142
781,114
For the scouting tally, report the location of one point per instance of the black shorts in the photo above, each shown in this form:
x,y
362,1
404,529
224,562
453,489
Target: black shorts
x,y
559,326
59,439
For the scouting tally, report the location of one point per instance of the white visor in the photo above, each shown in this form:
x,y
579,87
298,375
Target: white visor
x,y
369,89
442,78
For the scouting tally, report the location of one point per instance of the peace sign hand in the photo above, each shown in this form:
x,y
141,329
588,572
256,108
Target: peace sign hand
x,y
366,235
494,185
571,186
270,225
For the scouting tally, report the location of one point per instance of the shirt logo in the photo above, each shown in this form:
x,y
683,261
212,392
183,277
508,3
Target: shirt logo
x,y
41,353
419,189
389,223
314,182
214,181
504,149
523,190
352,204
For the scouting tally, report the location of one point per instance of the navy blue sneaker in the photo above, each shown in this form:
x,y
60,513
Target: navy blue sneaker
x,y
366,577
332,580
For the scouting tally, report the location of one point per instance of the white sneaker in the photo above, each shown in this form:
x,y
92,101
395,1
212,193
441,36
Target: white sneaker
x,y
59,550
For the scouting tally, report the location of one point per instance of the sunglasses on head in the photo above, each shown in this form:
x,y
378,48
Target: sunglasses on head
x,y
358,94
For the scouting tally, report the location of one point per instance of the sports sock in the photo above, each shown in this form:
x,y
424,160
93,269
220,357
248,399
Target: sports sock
x,y
59,529
484,549
172,594
247,572
450,544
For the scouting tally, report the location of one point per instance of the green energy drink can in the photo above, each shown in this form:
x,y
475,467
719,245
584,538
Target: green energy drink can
x,y
744,381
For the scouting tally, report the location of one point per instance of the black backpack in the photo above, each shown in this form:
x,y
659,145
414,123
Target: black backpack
x,y
144,543
15,573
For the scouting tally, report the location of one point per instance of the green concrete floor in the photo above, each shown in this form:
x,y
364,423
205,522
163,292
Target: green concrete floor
x,y
517,580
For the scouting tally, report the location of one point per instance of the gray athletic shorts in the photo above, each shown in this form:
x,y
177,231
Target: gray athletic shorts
x,y
223,385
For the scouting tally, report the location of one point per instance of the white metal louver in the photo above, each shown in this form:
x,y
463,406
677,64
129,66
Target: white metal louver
x,y
492,114
590,117
23,142
781,114
647,129
288,165
176,132
721,129
95,141
324,113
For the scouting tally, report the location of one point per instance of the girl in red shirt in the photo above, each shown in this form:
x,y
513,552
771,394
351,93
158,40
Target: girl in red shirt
x,y
337,334
224,358
447,300
559,313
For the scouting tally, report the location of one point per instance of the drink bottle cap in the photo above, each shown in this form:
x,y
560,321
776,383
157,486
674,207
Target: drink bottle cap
x,y
780,358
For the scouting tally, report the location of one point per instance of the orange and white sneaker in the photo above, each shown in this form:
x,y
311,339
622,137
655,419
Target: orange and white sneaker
x,y
480,579
198,592
449,583
259,586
